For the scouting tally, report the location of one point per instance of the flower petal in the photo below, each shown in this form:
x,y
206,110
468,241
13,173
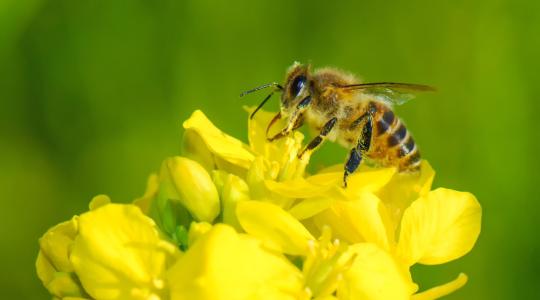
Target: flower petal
x,y
218,143
374,275
439,227
310,207
370,180
56,244
442,290
44,269
234,191
330,183
226,265
404,188
65,285
297,188
152,189
341,228
277,228
257,132
326,297
260,171
194,147
118,253
362,219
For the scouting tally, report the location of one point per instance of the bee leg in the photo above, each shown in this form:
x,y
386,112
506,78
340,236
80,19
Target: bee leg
x,y
356,154
352,164
295,121
368,114
276,118
320,138
297,124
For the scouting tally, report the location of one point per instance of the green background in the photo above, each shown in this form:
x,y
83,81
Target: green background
x,y
93,94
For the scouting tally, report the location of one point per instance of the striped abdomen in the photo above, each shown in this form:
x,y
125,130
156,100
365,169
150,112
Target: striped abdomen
x,y
393,145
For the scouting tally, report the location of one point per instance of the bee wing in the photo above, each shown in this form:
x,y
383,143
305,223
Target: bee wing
x,y
390,92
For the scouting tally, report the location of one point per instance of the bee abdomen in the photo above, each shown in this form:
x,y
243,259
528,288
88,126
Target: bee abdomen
x,y
401,149
385,122
401,142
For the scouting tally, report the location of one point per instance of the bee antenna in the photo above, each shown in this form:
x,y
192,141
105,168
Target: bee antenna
x,y
277,85
261,105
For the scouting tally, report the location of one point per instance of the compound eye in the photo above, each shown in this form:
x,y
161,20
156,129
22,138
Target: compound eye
x,y
298,85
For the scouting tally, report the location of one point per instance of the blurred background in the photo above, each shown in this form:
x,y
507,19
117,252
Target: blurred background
x,y
93,94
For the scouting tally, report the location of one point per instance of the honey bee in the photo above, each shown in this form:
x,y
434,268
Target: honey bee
x,y
356,115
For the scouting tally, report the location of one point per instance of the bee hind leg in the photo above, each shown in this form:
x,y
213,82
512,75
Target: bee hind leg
x,y
355,157
357,153
320,138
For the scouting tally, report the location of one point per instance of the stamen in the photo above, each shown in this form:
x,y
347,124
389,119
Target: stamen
x,y
158,283
311,246
308,291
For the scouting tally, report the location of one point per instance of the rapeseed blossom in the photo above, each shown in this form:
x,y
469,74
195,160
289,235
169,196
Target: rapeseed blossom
x,y
229,220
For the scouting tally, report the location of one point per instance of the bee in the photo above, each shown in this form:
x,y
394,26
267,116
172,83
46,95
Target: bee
x,y
356,115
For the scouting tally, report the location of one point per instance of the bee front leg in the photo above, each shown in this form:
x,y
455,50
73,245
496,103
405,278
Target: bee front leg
x,y
276,118
320,138
295,121
357,153
283,133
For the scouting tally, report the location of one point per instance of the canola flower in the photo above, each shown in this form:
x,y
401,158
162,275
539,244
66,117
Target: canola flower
x,y
229,220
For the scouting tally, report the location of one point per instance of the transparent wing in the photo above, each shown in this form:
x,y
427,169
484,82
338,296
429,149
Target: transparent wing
x,y
389,92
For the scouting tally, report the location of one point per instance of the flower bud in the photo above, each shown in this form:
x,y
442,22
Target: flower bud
x,y
219,177
56,244
192,186
53,266
194,147
196,230
234,191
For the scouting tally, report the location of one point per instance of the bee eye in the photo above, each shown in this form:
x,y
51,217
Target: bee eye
x,y
297,85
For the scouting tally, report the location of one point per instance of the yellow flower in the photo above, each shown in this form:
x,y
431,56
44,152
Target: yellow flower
x,y
440,226
375,272
226,265
435,227
53,266
118,254
230,220
256,163
361,271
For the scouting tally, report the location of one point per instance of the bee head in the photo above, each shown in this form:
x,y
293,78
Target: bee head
x,y
297,86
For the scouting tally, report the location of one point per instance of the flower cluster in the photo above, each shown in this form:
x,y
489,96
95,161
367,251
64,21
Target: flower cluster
x,y
235,221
